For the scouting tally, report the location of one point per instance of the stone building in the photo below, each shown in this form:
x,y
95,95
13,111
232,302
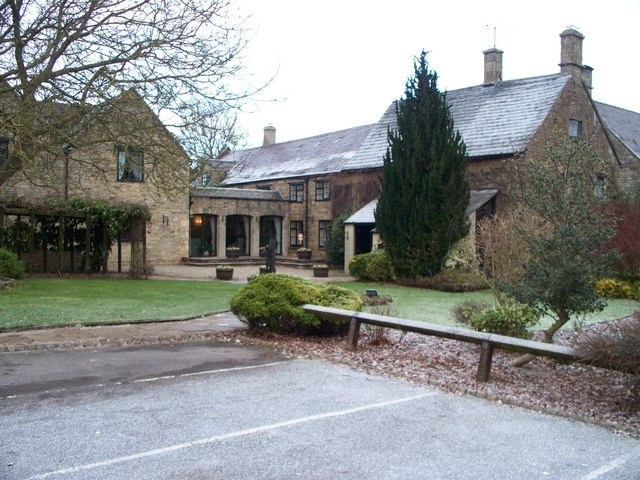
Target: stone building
x,y
293,190
146,166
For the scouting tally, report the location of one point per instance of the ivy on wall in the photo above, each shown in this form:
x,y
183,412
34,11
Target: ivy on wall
x,y
106,222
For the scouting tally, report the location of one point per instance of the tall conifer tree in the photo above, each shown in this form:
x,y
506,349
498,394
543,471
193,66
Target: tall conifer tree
x,y
424,190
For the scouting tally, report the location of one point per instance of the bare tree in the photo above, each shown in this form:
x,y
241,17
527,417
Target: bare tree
x,y
65,66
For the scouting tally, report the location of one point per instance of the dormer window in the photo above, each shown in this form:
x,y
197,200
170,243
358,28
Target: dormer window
x,y
575,128
204,179
130,164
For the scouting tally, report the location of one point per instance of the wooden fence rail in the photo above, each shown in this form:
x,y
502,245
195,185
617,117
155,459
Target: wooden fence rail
x,y
487,341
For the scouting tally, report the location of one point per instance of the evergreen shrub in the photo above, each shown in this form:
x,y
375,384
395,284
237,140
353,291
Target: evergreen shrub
x,y
358,266
10,264
511,319
379,268
272,302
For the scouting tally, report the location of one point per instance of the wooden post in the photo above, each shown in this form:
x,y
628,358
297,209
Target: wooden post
x,y
32,238
354,333
87,245
60,244
486,356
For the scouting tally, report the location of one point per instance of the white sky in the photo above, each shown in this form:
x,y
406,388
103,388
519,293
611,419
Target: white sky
x,y
340,63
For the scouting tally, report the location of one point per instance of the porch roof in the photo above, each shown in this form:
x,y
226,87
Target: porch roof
x,y
477,198
238,193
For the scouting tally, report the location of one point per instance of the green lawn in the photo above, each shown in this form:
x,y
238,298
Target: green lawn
x,y
38,302
435,307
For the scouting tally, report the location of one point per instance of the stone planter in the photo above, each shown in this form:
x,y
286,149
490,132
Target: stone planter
x,y
264,270
233,252
224,274
304,255
321,272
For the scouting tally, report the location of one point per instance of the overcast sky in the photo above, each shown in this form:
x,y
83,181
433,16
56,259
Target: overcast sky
x,y
340,63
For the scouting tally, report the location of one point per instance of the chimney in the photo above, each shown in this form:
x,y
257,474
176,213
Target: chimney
x,y
269,136
571,57
492,66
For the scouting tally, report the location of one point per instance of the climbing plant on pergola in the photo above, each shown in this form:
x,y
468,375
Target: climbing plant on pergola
x,y
100,224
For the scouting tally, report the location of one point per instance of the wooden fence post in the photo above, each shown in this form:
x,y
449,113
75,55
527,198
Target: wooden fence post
x,y
486,356
354,333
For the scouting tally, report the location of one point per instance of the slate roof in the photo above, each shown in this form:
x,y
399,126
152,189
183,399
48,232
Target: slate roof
x,y
498,119
493,120
624,124
477,198
322,154
238,193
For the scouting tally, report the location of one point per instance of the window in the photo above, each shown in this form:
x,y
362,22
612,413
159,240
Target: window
x,y
575,128
324,226
204,179
296,192
296,234
322,190
4,150
600,177
130,165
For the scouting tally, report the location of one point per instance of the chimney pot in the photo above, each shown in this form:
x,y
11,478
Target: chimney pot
x,y
269,136
492,66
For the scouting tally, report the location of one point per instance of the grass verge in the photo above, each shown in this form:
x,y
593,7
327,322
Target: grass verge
x,y
45,302
435,307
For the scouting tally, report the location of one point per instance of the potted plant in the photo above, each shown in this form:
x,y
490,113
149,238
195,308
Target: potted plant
x,y
264,269
233,252
224,272
304,253
321,270
263,251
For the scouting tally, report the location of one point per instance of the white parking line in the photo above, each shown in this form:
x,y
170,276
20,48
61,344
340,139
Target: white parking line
x,y
612,465
209,372
226,436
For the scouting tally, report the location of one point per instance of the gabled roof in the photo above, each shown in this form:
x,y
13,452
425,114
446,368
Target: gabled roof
x,y
498,119
317,155
623,124
477,198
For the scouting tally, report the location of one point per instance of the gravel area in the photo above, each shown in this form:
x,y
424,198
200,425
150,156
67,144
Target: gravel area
x,y
581,392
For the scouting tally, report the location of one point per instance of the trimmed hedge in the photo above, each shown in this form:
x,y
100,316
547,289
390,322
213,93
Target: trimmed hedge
x,y
273,301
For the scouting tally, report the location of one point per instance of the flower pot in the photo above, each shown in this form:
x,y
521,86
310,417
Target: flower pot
x,y
320,272
233,253
305,255
226,274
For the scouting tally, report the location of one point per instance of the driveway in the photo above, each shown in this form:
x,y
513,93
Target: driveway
x,y
185,413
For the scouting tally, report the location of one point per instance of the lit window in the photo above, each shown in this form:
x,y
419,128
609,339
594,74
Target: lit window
x,y
296,192
323,232
296,234
575,128
130,165
323,191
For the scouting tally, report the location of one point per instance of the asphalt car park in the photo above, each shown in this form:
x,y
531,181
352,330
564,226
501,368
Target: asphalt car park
x,y
219,410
